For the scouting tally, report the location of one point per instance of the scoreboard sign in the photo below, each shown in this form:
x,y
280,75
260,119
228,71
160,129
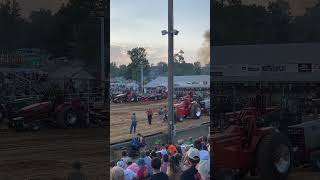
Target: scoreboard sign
x,y
274,68
315,67
11,59
305,67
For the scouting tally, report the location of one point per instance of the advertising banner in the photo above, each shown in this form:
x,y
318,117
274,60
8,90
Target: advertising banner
x,y
305,67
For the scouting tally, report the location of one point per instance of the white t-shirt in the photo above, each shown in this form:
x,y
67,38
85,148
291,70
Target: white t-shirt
x,y
204,165
204,169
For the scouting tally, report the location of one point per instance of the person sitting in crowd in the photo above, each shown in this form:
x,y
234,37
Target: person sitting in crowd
x,y
147,161
135,143
193,158
164,165
157,174
182,146
117,173
128,173
204,164
174,169
153,154
143,173
132,165
204,142
169,162
124,156
172,149
142,141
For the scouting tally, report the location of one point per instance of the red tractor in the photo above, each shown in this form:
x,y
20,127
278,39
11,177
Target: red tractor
x,y
244,147
187,107
50,114
51,111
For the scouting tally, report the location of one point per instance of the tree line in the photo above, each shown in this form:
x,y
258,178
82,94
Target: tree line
x,y
234,23
73,31
138,58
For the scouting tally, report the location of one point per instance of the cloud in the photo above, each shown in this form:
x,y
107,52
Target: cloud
x,y
118,53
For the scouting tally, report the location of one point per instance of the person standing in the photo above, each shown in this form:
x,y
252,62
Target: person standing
x,y
117,173
149,114
174,170
157,174
143,173
165,114
77,174
164,165
160,115
128,173
133,123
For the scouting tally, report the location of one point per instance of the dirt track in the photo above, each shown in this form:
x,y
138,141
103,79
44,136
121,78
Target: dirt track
x,y
120,120
49,154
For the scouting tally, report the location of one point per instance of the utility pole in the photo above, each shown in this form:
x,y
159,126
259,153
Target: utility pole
x,y
141,71
170,70
99,13
171,32
103,75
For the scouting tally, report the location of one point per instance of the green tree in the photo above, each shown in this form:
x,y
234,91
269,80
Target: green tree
x,y
138,57
279,19
122,70
162,68
114,70
40,28
11,25
197,68
178,57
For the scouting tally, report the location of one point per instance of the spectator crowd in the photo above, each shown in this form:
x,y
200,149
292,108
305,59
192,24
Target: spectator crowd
x,y
183,161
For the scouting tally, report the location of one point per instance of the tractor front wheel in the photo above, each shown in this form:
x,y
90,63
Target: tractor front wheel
x,y
196,111
67,117
274,157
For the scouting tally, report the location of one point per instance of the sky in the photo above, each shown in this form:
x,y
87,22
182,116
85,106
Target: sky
x,y
138,23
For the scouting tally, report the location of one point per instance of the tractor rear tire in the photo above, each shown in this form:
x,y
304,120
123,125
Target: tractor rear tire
x,y
196,111
274,157
63,118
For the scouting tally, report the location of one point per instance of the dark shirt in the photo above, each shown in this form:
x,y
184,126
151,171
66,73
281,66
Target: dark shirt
x,y
159,176
191,174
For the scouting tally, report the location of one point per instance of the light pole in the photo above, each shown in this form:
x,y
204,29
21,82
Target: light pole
x,y
100,13
171,32
103,75
141,71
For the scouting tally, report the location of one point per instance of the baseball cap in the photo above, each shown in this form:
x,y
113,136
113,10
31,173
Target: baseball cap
x,y
193,153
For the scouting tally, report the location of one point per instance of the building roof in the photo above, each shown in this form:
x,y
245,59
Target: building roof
x,y
266,54
180,81
272,77
70,72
